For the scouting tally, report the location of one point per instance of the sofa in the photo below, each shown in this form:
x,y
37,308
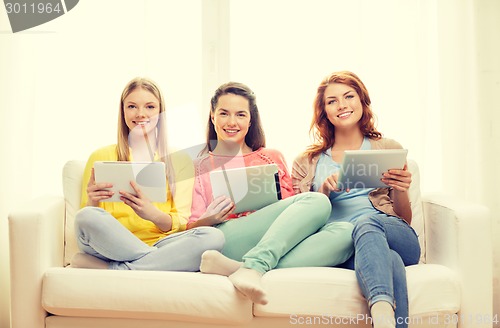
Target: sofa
x,y
450,287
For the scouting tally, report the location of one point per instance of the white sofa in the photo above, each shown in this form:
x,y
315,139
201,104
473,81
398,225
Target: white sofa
x,y
452,283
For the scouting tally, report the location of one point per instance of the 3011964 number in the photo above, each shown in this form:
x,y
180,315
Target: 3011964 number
x,y
31,8
478,319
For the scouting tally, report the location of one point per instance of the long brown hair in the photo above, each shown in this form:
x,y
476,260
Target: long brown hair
x,y
322,130
255,137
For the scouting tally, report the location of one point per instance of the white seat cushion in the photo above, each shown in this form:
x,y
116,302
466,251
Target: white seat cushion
x,y
183,296
335,292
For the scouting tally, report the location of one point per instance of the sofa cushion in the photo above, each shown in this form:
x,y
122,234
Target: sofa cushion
x,y
335,292
182,296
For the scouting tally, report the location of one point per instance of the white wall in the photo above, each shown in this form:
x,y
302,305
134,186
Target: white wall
x,y
391,45
487,17
431,68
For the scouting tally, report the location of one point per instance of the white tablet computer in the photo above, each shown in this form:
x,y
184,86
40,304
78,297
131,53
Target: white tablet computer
x,y
364,168
150,177
250,188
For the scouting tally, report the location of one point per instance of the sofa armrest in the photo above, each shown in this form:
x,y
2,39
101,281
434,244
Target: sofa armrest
x,y
458,235
36,237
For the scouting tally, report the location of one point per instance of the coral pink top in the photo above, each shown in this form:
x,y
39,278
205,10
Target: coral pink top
x,y
202,192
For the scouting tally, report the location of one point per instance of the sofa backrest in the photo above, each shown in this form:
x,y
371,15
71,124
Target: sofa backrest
x,y
72,186
417,221
72,189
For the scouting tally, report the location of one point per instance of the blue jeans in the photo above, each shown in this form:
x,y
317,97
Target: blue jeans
x,y
383,246
101,235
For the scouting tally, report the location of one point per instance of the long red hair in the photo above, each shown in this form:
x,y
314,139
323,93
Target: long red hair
x,y
322,129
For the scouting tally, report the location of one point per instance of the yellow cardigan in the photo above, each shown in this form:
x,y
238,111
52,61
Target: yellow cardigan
x,y
178,205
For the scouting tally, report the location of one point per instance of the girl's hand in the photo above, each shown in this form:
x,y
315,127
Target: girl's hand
x,y
398,179
218,210
141,204
96,192
330,185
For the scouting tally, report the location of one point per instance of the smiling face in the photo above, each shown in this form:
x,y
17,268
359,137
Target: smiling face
x,y
140,111
231,118
342,106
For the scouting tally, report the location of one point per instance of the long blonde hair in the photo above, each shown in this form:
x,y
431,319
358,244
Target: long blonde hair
x,y
123,147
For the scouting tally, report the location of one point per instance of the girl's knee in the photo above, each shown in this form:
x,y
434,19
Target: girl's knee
x,y
213,238
319,202
87,217
320,199
367,224
313,196
367,220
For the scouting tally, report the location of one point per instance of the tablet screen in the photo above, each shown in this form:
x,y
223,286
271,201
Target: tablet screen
x,y
149,176
364,168
250,188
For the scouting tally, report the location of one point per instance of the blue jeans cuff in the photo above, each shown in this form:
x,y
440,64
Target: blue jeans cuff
x,y
381,297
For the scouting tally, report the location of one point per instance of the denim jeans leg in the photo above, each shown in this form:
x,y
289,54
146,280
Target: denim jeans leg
x,y
400,290
99,234
180,251
383,246
372,261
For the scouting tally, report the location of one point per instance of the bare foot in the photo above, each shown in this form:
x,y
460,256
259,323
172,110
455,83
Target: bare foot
x,y
216,263
247,281
87,261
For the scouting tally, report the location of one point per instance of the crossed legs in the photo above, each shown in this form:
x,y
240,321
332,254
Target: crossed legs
x,y
106,244
296,236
